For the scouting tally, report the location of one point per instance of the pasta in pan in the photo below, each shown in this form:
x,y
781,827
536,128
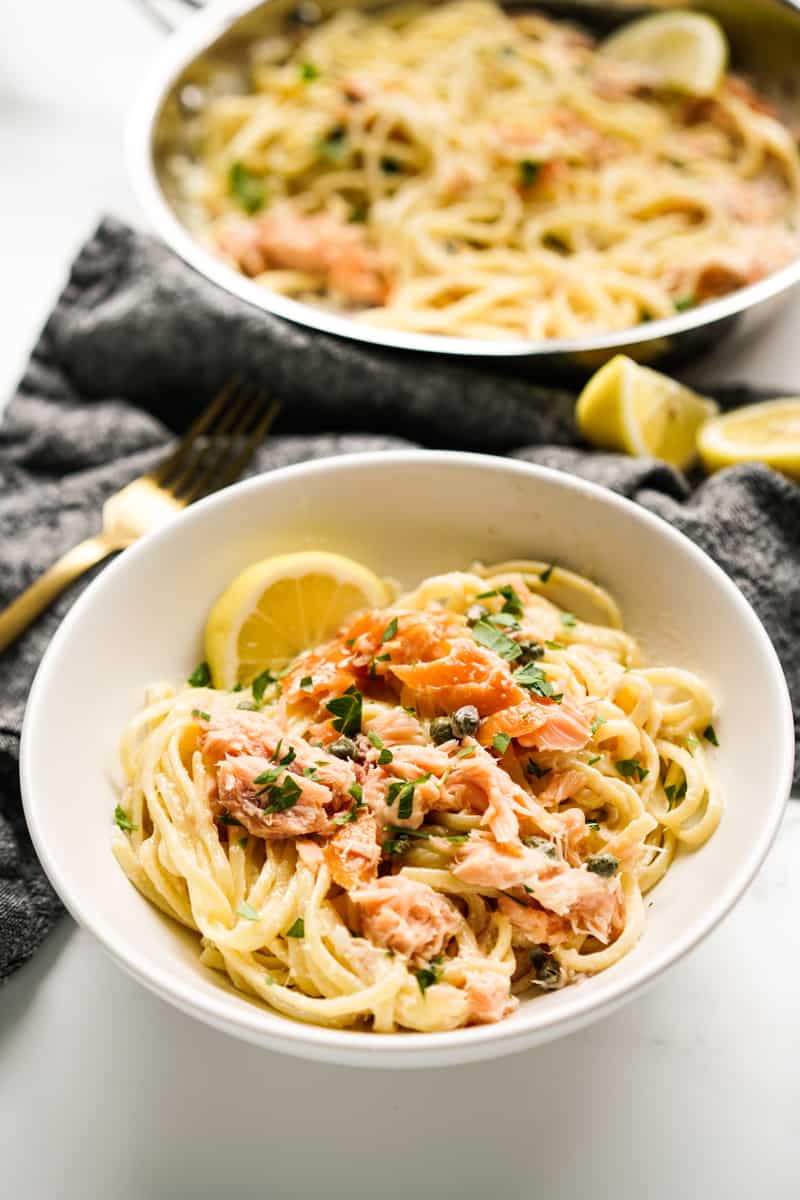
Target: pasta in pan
x,y
458,170
459,800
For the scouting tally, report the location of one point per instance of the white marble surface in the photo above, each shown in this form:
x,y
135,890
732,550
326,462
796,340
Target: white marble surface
x,y
692,1090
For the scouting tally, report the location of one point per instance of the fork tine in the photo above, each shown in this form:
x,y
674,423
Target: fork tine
x,y
198,454
256,437
216,470
210,413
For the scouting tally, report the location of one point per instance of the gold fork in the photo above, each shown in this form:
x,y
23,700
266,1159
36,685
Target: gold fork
x,y
213,453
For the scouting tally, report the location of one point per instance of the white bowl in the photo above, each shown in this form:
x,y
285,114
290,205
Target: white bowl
x,y
406,514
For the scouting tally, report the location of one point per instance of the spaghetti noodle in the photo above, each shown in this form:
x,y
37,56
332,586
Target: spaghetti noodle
x,y
460,799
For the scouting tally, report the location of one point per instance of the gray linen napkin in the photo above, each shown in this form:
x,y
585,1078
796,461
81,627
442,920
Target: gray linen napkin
x,y
138,343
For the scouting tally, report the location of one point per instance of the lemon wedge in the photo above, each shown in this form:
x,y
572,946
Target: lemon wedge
x,y
768,433
627,407
682,50
280,606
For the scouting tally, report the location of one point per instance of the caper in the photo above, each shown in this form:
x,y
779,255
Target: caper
x,y
602,864
543,844
465,721
476,612
546,969
441,730
531,651
343,747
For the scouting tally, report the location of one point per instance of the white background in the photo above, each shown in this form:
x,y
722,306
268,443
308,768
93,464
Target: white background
x,y
691,1091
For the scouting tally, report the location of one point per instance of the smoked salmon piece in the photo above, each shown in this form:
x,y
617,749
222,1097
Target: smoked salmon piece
x,y
407,917
540,725
468,674
353,853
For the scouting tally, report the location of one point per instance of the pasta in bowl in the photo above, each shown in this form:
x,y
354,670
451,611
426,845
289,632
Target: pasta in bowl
x,y
429,513
458,800
460,171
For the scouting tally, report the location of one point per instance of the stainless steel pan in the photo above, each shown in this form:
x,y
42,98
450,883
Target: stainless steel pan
x,y
765,41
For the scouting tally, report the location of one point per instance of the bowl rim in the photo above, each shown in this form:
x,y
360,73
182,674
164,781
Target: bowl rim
x,y
407,1049
196,35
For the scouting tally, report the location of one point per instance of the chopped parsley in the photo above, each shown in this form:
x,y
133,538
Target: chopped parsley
x,y
308,72
385,755
200,676
594,759
534,769
555,645
427,976
466,752
402,791
298,930
123,821
247,910
544,576
227,819
710,734
596,723
630,768
279,796
684,302
501,742
201,715
238,686
674,793
503,619
604,865
569,619
534,680
692,742
260,684
346,711
528,170
306,683
512,604
309,772
243,842
488,635
246,187
390,631
346,818
398,840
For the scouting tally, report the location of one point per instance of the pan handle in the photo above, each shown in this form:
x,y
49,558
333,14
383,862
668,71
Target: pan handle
x,y
168,14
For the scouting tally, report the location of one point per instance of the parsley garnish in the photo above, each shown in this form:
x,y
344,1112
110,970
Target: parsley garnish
x,y
201,715
568,619
427,976
710,734
306,683
308,71
528,170
544,576
466,752
390,631
238,686
260,684
502,619
227,819
298,930
595,758
123,820
630,767
243,842
511,601
534,769
501,742
402,791
596,723
486,634
247,910
674,793
346,710
246,187
345,818
684,302
555,645
200,676
280,796
385,755
534,679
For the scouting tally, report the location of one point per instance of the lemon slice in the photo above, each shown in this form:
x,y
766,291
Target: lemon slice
x,y
280,606
768,433
627,407
682,50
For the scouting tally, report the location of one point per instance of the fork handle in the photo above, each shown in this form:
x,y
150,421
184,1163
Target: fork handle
x,y
27,606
